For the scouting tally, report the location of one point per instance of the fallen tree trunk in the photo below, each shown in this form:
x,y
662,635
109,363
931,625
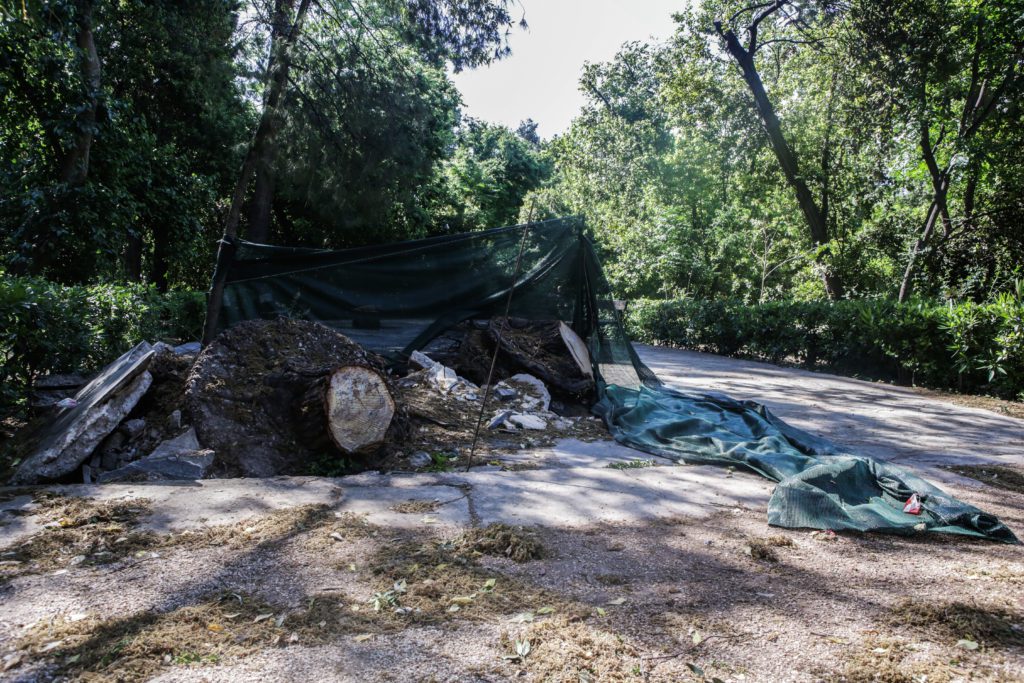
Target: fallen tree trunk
x,y
350,409
273,397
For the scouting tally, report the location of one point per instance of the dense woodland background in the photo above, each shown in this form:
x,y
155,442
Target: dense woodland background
x,y
823,174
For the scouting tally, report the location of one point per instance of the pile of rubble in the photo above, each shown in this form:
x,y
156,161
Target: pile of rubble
x,y
280,397
519,413
124,425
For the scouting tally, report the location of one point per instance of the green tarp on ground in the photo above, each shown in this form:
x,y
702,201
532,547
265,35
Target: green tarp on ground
x,y
394,299
818,486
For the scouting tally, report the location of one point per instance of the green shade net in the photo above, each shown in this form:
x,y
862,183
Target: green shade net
x,y
394,299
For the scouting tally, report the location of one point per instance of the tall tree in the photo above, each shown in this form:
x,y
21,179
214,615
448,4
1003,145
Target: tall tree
x,y
491,171
75,164
285,28
782,13
114,176
954,70
461,32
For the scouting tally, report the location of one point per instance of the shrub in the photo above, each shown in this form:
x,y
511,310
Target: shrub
x,y
49,328
964,346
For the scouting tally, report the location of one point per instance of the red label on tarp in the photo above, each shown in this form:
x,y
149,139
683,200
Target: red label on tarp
x,y
913,505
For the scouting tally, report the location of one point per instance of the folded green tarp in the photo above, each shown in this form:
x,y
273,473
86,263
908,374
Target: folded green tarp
x,y
818,486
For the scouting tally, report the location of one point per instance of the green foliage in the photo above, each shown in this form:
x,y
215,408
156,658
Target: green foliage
x,y
965,346
634,464
486,179
363,139
50,328
440,461
670,164
161,150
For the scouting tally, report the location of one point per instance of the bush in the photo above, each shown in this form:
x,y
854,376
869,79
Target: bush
x,y
968,347
49,328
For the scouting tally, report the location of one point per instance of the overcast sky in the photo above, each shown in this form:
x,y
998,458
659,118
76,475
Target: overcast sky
x,y
541,78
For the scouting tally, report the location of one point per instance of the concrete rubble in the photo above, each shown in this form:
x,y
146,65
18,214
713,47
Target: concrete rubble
x,y
132,422
59,446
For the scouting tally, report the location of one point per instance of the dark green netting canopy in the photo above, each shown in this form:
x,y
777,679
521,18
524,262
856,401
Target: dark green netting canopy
x,y
393,299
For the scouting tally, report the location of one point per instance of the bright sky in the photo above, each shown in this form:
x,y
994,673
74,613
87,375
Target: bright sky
x,y
540,80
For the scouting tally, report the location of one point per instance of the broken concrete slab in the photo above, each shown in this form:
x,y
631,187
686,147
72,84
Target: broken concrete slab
x,y
188,349
527,421
61,445
499,419
180,465
183,443
179,458
532,391
503,393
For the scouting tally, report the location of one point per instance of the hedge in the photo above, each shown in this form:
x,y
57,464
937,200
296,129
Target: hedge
x,y
968,347
49,328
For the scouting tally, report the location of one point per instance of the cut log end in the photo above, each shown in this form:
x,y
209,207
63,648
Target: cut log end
x,y
359,409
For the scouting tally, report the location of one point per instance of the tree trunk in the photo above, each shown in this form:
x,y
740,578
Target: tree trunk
x,y
75,165
814,217
938,210
274,396
283,39
349,409
262,200
133,258
161,256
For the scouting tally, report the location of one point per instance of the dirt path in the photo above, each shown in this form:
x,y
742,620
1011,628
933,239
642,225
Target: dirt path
x,y
646,573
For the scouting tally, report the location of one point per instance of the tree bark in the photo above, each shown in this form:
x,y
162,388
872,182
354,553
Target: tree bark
x,y
161,256
915,251
349,409
74,168
262,201
133,258
280,61
938,210
816,220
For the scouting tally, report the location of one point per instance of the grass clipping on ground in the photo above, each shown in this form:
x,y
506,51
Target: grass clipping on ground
x,y
134,647
564,648
764,548
82,531
956,630
989,625
427,580
1000,476
502,540
79,531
